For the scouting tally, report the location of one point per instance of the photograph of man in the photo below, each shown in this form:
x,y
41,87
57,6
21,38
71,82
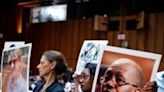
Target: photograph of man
x,y
127,70
123,75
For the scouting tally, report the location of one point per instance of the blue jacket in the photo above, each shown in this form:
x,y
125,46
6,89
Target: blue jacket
x,y
54,87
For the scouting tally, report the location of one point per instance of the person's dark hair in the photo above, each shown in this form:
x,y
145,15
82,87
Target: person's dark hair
x,y
102,70
92,68
67,76
56,56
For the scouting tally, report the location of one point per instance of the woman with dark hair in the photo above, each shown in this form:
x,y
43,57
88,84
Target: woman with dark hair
x,y
52,64
87,76
83,82
100,77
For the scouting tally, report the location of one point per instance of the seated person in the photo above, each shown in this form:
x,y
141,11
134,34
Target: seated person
x,y
52,64
85,80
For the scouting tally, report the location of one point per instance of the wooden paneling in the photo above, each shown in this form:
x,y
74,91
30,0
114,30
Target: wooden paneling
x,y
152,33
132,39
160,33
68,37
110,38
159,42
155,36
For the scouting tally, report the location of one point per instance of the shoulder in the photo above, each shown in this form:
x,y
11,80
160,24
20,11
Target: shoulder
x,y
56,87
38,86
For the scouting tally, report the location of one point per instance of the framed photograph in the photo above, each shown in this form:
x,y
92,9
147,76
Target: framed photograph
x,y
90,55
15,63
129,67
10,44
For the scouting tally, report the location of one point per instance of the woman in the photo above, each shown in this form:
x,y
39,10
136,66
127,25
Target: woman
x,y
52,64
87,76
85,80
16,82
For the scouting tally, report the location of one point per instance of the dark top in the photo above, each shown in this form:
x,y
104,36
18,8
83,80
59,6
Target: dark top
x,y
54,87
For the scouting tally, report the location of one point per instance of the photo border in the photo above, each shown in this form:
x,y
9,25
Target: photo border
x,y
102,43
130,52
28,62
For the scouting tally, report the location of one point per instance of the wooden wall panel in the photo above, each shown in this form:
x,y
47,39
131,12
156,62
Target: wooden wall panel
x,y
57,36
110,37
151,33
116,41
89,26
160,36
68,37
141,40
75,32
65,39
132,39
160,33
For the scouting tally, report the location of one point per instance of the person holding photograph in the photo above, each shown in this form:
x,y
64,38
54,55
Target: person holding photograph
x,y
16,82
123,75
52,64
86,78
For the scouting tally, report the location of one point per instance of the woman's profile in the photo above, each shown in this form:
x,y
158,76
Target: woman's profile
x,y
52,64
85,80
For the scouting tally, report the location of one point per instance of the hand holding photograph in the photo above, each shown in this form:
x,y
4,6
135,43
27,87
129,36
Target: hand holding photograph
x,y
90,55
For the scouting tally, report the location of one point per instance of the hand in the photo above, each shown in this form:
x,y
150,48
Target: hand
x,y
150,87
75,75
74,87
76,78
75,84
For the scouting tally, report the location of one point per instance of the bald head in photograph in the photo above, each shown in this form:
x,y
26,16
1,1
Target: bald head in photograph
x,y
123,75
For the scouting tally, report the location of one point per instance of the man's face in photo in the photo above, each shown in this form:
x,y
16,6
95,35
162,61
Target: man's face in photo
x,y
123,75
116,80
